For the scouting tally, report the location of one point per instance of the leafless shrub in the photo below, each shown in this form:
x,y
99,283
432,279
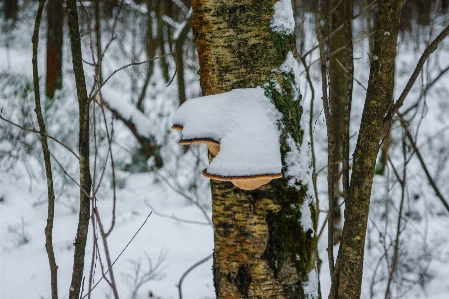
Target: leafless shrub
x,y
138,275
19,233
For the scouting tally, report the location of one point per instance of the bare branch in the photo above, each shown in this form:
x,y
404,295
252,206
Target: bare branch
x,y
429,50
423,164
41,134
189,270
173,217
126,66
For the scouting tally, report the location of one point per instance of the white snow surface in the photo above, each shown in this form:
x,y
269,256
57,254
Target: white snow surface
x,y
291,66
298,163
311,286
244,121
283,21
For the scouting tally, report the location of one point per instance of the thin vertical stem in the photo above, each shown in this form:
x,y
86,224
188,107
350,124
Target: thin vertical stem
x,y
84,153
322,24
402,182
47,159
349,69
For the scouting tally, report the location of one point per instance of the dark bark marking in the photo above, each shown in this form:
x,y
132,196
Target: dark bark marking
x,y
274,250
243,280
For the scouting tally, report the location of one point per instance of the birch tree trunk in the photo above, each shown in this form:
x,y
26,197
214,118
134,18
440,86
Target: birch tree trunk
x,y
264,239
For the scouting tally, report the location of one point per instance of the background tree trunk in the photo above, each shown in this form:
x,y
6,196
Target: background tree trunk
x,y
11,8
180,68
347,280
55,25
261,248
161,34
108,7
341,73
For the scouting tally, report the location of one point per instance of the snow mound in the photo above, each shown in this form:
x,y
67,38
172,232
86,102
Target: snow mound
x,y
244,123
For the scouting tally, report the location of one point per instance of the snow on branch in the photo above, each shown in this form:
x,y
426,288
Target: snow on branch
x,y
138,122
240,128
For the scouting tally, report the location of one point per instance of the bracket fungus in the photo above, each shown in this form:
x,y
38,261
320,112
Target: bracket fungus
x,y
240,129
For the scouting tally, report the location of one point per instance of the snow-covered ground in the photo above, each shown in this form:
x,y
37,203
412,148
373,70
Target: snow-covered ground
x,y
24,265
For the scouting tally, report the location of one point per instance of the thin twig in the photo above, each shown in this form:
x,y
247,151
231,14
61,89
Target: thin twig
x,y
68,175
429,50
426,89
104,238
103,277
172,78
189,270
94,257
355,42
173,217
189,198
423,164
114,180
402,182
114,26
41,134
126,66
346,71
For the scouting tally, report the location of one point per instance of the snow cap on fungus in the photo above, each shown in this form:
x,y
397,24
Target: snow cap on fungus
x,y
240,130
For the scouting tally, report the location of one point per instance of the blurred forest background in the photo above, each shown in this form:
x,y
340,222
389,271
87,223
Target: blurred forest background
x,y
140,64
